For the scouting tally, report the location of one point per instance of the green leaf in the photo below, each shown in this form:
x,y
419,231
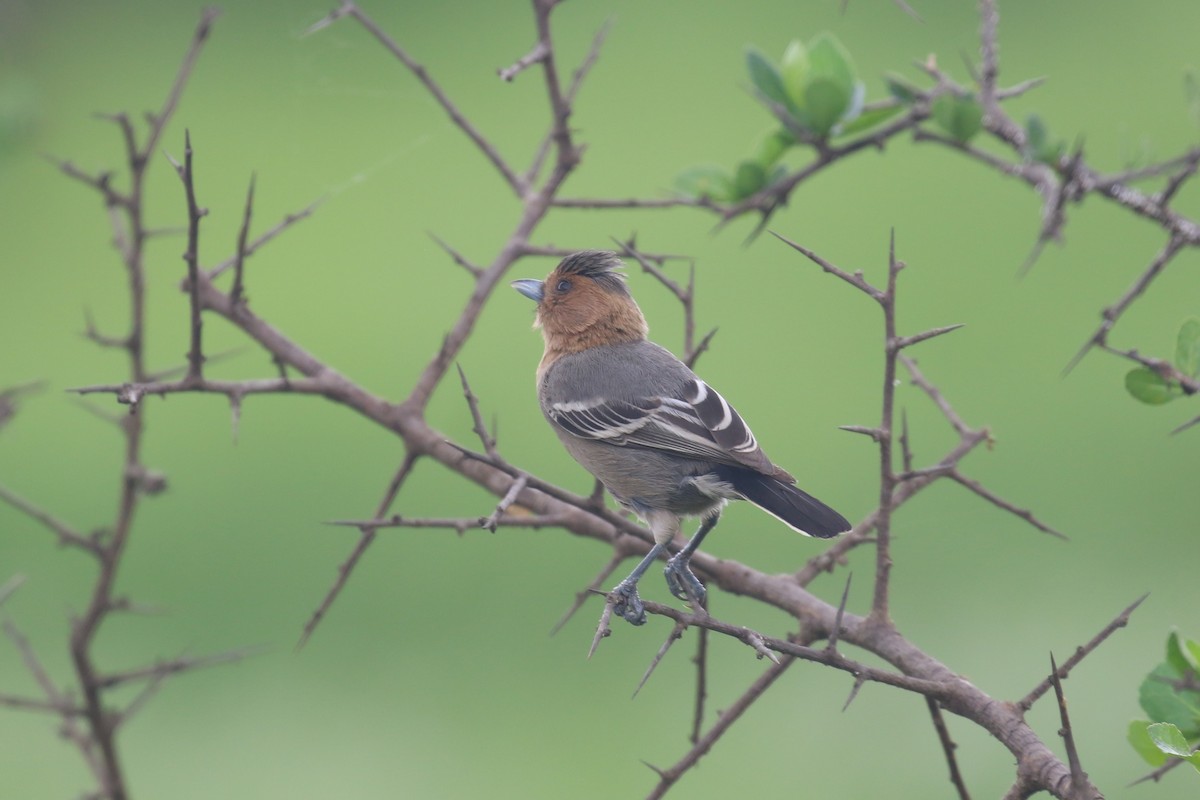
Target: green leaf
x,y
777,174
1175,656
1162,702
766,78
1139,739
794,69
961,117
869,119
1187,348
1151,388
1038,144
1035,133
1170,740
1192,648
901,89
772,146
829,60
824,104
749,178
705,181
1191,88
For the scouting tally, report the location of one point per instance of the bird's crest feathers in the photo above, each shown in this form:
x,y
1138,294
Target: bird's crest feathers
x,y
601,266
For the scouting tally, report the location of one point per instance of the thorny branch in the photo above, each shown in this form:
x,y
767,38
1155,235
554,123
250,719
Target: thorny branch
x,y
91,725
1067,181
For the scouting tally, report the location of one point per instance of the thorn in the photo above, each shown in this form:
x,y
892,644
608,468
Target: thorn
x,y
235,410
10,586
602,628
909,341
837,620
760,647
858,684
874,433
674,636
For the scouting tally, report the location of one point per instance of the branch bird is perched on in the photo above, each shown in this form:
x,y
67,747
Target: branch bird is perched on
x,y
661,440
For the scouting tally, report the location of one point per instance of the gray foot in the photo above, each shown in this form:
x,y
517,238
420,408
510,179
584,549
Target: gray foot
x,y
628,605
682,582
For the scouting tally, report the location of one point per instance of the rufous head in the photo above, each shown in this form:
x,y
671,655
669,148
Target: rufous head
x,y
584,302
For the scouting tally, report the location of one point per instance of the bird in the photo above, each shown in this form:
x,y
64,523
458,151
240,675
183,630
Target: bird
x,y
664,443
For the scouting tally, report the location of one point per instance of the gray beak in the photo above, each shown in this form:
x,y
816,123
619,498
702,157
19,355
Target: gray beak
x,y
529,287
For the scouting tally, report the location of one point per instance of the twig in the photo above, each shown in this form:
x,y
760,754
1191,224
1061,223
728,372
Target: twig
x,y
700,748
602,628
537,54
69,711
979,489
175,666
672,637
592,588
836,631
253,247
239,258
1111,314
1079,778
1118,622
350,9
948,748
366,537
701,662
191,256
486,439
458,257
67,536
492,520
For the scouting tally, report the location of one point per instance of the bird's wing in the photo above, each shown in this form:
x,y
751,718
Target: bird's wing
x,y
698,423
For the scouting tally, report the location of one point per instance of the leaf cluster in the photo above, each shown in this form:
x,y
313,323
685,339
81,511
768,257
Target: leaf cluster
x,y
1153,387
1170,696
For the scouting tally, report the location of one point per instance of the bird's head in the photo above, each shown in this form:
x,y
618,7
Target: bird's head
x,y
584,302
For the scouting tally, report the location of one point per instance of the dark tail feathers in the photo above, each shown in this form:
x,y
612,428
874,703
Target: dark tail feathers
x,y
796,508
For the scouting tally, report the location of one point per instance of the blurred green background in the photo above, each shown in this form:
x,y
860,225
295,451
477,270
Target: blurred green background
x,y
434,675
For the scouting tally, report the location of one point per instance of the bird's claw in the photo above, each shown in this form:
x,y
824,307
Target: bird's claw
x,y
627,604
682,581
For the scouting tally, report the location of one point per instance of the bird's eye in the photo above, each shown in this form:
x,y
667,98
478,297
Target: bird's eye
x,y
562,285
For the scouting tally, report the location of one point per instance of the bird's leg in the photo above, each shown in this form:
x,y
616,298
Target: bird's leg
x,y
680,579
628,604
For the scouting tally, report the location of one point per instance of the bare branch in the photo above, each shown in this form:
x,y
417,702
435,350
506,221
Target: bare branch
x,y
918,378
1118,622
948,748
239,258
493,520
175,666
734,712
979,489
350,9
1079,778
602,628
195,355
67,536
534,56
245,252
856,280
1113,313
457,257
592,588
485,438
672,637
916,338
367,536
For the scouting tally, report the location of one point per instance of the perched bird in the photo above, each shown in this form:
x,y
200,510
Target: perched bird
x,y
661,440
